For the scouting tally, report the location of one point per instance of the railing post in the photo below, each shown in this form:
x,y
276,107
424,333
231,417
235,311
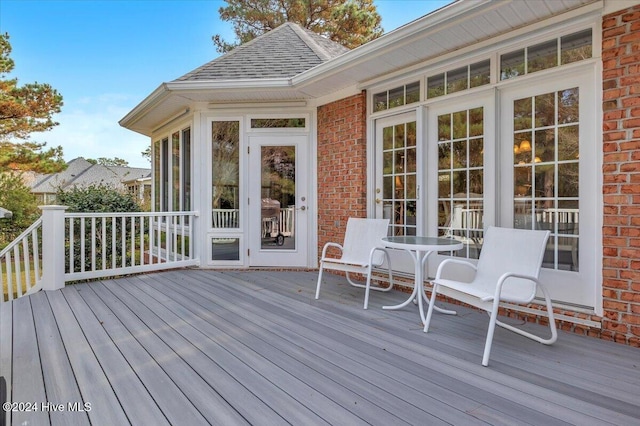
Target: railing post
x,y
53,253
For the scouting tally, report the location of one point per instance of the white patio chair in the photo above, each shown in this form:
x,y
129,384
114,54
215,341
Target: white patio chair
x,y
360,253
507,271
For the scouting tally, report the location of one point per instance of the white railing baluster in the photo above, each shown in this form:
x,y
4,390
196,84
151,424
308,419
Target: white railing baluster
x,y
82,247
93,243
9,275
123,235
103,243
133,241
71,245
114,222
27,263
18,274
36,255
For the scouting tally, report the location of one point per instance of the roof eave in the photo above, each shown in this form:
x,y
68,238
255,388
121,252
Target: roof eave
x,y
381,44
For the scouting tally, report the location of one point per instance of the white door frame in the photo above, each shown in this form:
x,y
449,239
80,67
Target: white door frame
x,y
294,253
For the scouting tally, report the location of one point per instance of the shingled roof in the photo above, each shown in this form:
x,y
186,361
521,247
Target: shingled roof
x,y
281,53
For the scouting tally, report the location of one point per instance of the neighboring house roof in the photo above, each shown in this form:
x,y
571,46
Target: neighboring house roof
x,y
5,214
81,173
281,53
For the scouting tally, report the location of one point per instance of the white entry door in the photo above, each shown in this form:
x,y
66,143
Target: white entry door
x,y
278,200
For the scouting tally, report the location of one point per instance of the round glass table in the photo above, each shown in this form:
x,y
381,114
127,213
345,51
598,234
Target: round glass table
x,y
419,248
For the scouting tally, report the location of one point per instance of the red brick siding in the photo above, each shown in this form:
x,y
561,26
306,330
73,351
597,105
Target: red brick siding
x,y
621,176
342,160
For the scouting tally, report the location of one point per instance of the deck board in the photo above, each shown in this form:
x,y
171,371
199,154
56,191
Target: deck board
x,y
255,347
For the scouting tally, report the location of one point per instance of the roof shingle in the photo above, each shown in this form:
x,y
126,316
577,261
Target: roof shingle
x,y
281,53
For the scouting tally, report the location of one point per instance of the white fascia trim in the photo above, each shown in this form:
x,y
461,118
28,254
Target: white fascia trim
x,y
390,40
265,83
141,109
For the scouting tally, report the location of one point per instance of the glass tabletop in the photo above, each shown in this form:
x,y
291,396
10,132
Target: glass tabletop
x,y
428,243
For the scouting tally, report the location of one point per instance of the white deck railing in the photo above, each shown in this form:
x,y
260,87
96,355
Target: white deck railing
x,y
62,247
21,263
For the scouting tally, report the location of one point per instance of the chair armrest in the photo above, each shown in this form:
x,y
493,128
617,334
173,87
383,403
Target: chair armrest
x,y
326,246
452,262
386,255
503,278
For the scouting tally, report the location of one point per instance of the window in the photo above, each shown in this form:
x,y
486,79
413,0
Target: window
x,y
172,172
396,97
546,173
461,178
399,193
278,123
456,80
186,170
549,54
225,174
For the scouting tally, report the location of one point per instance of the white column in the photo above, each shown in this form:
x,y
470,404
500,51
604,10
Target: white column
x,y
53,253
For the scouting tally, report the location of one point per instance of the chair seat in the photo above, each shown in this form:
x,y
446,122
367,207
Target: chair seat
x,y
359,253
480,291
507,271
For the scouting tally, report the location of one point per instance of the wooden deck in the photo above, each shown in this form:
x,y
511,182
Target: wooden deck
x,y
202,347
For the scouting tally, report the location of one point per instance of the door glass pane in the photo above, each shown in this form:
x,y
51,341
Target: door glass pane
x,y
278,197
225,174
461,178
399,178
546,172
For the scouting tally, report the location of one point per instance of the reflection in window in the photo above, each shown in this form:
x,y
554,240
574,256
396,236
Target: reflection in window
x,y
546,172
156,176
175,171
463,78
225,249
461,178
573,47
186,170
399,194
278,123
398,96
278,197
225,174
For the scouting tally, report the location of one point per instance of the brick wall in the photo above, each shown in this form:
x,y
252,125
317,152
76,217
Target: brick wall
x,y
621,174
342,174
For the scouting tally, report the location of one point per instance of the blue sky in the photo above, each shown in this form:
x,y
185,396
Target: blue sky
x,y
104,57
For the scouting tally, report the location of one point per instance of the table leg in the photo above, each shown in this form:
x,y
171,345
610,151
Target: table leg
x,y
415,295
424,295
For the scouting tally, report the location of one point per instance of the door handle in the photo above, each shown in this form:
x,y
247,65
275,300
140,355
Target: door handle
x,y
303,208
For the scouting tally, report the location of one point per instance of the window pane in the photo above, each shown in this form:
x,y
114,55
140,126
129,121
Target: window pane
x,y
457,80
545,112
225,249
568,101
225,174
435,86
480,73
545,146
460,125
396,97
413,92
164,189
568,147
186,169
278,123
568,185
512,64
542,56
156,176
175,170
576,47
523,114
380,101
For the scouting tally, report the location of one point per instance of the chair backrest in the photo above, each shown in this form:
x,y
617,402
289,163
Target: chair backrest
x,y
360,237
518,251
